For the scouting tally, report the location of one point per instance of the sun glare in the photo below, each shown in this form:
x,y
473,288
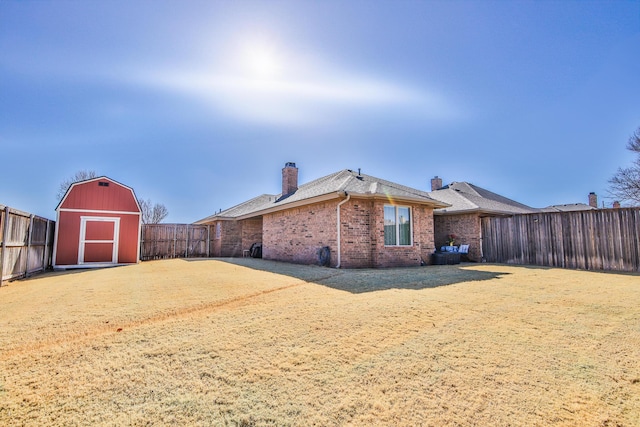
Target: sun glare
x,y
261,60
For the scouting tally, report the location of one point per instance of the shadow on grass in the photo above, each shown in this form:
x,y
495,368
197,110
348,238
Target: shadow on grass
x,y
370,280
53,273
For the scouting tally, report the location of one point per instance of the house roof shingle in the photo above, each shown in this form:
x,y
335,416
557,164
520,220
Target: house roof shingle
x,y
330,186
466,197
569,207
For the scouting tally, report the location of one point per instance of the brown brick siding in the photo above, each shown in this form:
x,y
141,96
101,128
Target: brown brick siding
x,y
251,232
230,239
235,236
403,256
466,227
357,222
295,235
214,242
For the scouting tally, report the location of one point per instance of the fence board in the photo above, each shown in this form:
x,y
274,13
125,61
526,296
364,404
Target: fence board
x,y
26,243
162,241
607,239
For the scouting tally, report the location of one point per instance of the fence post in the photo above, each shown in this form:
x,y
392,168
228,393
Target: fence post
x,y
186,255
208,241
29,235
46,247
175,239
3,248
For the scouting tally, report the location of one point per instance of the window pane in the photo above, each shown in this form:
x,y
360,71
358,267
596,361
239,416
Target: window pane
x,y
404,226
390,225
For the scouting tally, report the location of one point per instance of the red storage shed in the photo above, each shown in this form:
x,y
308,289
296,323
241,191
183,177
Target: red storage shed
x,y
98,225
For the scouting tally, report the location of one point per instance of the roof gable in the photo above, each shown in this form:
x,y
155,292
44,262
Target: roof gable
x,y
100,193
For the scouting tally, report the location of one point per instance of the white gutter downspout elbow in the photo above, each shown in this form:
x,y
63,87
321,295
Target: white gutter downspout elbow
x,y
338,221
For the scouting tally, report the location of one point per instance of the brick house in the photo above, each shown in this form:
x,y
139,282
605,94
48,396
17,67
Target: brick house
x,y
358,220
468,204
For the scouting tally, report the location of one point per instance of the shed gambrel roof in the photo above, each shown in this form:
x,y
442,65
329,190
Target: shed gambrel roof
x,y
135,204
328,187
468,198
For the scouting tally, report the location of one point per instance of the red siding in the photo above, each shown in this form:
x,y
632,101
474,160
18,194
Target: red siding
x,y
90,199
69,237
98,252
92,196
99,230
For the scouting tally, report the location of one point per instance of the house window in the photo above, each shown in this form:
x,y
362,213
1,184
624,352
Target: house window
x,y
397,226
218,230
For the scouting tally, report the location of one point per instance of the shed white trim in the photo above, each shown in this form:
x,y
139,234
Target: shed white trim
x,y
83,240
98,211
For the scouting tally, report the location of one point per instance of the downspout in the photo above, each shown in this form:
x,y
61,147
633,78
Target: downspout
x,y
342,193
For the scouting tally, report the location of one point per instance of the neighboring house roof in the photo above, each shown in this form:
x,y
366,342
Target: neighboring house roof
x,y
328,187
570,207
468,198
245,208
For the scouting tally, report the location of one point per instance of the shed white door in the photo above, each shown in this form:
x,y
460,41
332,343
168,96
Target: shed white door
x,y
98,240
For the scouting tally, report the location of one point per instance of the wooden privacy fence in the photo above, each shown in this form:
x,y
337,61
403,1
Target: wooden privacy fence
x,y
26,243
160,241
607,239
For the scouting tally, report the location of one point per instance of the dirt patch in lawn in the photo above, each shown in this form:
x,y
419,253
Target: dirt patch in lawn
x,y
252,342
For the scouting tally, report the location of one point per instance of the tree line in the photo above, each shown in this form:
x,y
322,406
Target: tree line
x,y
625,184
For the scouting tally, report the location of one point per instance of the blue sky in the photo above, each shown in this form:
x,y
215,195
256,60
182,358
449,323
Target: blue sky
x,y
199,104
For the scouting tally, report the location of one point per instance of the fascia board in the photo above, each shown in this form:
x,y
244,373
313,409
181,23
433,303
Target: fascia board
x,y
291,205
212,219
481,212
435,204
457,212
323,198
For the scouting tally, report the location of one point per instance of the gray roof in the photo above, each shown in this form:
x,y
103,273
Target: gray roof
x,y
569,207
464,197
327,187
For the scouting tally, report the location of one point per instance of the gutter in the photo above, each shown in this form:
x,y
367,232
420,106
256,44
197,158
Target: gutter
x,y
481,212
284,206
341,193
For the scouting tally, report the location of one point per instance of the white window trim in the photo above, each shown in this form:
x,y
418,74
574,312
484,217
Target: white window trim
x,y
83,240
396,207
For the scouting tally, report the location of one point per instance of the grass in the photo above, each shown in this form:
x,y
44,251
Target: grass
x,y
249,342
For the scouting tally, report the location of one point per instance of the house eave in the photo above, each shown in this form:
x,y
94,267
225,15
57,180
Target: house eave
x,y
435,204
291,205
480,212
323,198
212,219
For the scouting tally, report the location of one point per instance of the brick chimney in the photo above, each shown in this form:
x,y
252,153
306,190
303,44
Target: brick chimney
x,y
616,205
289,178
593,200
436,183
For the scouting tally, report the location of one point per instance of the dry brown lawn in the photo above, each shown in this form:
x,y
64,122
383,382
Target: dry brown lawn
x,y
250,342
